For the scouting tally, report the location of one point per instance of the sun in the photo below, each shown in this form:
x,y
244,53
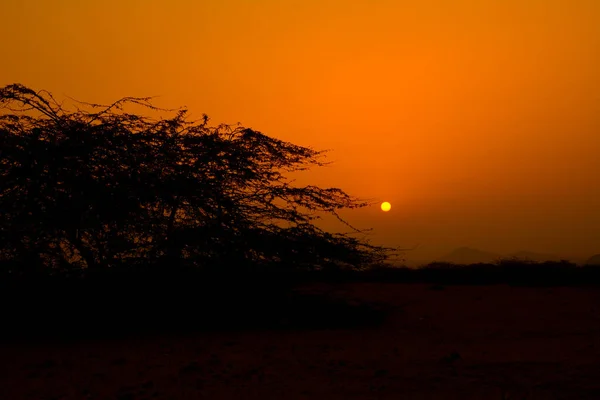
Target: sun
x,y
385,206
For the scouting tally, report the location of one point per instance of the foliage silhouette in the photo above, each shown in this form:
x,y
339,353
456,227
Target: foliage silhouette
x,y
512,271
100,187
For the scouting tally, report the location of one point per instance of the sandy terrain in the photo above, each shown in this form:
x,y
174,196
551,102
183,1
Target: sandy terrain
x,y
454,342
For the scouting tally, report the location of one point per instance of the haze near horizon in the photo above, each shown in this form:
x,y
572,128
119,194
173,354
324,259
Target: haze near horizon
x,y
479,121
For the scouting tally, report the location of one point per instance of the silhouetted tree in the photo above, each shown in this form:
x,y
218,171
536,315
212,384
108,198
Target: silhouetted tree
x,y
100,187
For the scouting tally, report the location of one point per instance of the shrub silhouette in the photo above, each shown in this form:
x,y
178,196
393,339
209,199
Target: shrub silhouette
x,y
100,187
512,270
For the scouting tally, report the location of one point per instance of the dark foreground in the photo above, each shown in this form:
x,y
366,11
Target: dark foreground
x,y
407,341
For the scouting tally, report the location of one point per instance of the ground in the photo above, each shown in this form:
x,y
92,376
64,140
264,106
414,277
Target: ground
x,y
438,342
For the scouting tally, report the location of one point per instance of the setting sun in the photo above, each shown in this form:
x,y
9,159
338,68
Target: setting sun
x,y
385,206
473,114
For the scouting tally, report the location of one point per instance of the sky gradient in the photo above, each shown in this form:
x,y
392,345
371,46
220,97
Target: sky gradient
x,y
478,120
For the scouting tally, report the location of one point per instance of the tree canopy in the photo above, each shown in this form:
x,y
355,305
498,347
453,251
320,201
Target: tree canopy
x,y
100,187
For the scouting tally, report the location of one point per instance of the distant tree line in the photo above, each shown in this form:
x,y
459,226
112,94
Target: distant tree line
x,y
99,187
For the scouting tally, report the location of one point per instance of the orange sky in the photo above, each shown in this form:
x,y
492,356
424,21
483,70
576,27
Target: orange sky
x,y
478,120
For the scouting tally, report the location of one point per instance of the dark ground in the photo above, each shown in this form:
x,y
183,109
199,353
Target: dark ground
x,y
396,341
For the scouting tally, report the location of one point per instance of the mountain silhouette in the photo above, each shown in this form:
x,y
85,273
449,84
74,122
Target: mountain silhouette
x,y
593,260
533,256
468,255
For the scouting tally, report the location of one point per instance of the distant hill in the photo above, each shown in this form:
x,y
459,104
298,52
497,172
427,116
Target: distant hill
x,y
533,256
593,260
467,255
